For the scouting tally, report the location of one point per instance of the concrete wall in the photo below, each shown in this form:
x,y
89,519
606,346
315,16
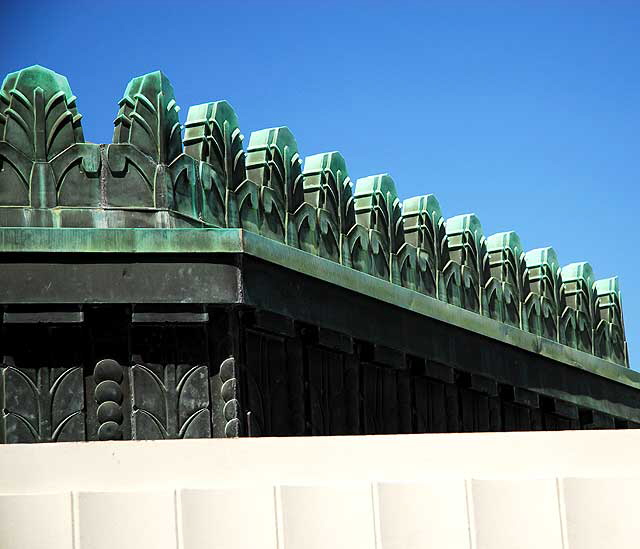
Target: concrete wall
x,y
552,490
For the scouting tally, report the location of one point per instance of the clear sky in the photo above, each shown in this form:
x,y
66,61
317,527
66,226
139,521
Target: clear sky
x,y
526,113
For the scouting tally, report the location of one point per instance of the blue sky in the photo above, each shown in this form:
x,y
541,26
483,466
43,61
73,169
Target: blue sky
x,y
526,113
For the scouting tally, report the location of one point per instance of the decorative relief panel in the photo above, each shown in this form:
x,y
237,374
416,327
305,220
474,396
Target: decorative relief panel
x,y
41,404
170,401
108,395
229,391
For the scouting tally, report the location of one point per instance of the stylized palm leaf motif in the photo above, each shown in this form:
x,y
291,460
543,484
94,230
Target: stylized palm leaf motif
x,y
327,187
145,159
148,118
39,122
546,282
468,249
21,406
66,404
507,265
378,209
42,405
212,136
579,295
192,401
273,163
609,323
149,417
170,401
506,259
424,228
38,114
467,244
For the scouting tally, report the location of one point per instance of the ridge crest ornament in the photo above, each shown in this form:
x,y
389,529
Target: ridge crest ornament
x,y
180,282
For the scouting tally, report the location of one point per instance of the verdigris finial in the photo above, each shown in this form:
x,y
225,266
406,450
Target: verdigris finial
x,y
38,121
467,249
424,228
609,341
378,209
579,296
213,137
38,114
328,188
508,266
546,282
148,118
274,164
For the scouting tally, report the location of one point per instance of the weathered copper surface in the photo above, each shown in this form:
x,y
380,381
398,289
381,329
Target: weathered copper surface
x,y
379,305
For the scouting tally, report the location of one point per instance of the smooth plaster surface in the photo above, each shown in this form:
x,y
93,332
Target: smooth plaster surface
x,y
564,490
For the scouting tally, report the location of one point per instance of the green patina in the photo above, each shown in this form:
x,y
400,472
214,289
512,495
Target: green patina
x,y
146,192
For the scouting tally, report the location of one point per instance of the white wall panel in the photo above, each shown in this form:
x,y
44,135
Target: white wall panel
x,y
126,520
319,517
38,521
417,515
233,517
522,513
602,513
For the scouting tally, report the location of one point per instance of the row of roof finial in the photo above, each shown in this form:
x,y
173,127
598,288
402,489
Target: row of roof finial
x,y
208,179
